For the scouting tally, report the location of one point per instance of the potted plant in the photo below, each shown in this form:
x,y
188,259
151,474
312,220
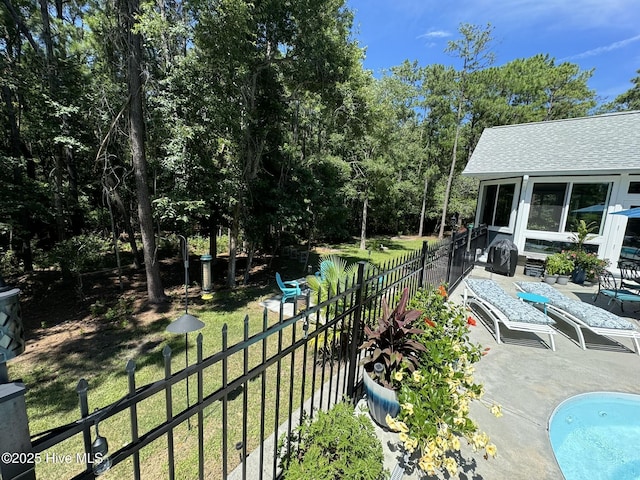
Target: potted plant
x,y
435,397
584,232
337,444
559,265
390,348
587,265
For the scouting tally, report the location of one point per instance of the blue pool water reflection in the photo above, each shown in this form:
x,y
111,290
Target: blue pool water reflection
x,y
596,436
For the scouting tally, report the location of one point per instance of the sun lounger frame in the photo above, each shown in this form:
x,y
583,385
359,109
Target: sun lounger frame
x,y
497,316
579,324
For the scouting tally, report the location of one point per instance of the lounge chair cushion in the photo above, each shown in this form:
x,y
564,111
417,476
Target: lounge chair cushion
x,y
592,315
513,309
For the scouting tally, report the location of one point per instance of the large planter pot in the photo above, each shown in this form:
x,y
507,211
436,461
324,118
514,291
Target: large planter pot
x,y
562,279
380,400
578,276
550,279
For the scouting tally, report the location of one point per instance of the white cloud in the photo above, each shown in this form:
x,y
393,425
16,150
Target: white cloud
x,y
605,48
556,14
435,34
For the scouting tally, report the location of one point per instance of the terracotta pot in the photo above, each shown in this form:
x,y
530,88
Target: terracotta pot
x,y
380,400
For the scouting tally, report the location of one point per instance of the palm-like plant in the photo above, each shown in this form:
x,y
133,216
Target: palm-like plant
x,y
331,277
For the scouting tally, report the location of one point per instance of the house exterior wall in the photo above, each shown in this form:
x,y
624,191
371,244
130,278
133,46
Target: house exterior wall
x,y
608,243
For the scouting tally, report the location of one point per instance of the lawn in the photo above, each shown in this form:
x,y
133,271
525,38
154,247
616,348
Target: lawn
x,y
100,350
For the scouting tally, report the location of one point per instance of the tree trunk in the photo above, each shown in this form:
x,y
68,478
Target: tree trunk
x,y
247,271
155,291
77,218
424,205
116,200
452,171
233,246
213,236
363,226
18,149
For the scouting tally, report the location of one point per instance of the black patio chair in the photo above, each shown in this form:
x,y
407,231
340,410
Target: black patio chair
x,y
609,287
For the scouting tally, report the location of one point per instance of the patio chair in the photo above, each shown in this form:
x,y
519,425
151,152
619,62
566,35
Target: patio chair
x,y
290,289
321,274
581,315
503,308
609,287
630,275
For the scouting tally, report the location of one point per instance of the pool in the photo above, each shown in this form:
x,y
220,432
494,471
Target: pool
x,y
596,436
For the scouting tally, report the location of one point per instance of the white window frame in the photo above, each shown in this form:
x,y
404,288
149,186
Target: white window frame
x,y
514,202
564,236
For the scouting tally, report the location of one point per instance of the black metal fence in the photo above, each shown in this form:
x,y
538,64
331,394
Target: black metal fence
x,y
247,395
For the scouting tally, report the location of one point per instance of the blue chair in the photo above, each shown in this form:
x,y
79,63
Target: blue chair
x,y
324,267
290,289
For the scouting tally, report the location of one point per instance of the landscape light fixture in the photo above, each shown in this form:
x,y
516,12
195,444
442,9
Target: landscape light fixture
x,y
186,323
100,454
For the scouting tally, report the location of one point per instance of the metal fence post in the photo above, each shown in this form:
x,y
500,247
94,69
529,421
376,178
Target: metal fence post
x,y
451,257
166,353
423,261
81,389
355,335
130,368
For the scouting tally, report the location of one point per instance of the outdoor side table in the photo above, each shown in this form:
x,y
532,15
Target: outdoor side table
x,y
534,298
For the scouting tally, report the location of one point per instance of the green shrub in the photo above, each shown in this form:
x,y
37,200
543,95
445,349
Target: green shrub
x,y
337,445
119,313
198,245
223,244
80,254
9,264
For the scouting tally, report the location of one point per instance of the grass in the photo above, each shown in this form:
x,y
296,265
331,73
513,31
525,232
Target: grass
x,y
394,247
100,357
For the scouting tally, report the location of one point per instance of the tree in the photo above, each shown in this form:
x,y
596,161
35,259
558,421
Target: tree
x,y
155,291
472,49
267,60
629,100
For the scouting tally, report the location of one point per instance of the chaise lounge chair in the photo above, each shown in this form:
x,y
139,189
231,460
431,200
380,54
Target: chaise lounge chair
x,y
503,308
583,315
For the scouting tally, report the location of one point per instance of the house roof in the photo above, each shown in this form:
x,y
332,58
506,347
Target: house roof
x,y
596,145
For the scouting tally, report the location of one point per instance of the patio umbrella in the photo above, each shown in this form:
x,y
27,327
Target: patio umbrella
x,y
590,209
631,212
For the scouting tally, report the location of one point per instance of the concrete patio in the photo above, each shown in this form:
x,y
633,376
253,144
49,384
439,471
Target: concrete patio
x,y
529,381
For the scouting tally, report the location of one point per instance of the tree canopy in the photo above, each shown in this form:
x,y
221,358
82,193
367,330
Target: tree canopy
x,y
136,120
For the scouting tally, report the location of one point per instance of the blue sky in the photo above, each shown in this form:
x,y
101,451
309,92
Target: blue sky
x,y
600,34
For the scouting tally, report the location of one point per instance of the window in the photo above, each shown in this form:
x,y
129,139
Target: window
x,y
585,201
547,202
497,203
588,202
634,187
537,245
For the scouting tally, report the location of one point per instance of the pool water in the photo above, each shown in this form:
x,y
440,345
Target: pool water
x,y
596,436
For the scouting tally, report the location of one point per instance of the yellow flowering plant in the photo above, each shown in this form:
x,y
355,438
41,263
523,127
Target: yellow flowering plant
x,y
435,398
